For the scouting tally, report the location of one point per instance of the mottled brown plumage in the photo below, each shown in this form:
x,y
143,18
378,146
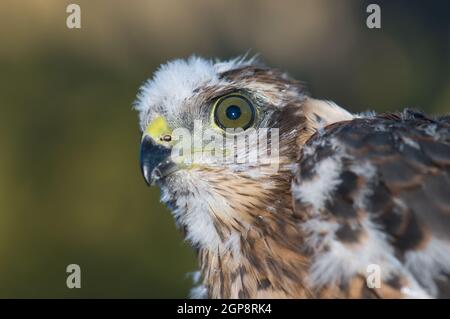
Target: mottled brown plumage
x,y
409,198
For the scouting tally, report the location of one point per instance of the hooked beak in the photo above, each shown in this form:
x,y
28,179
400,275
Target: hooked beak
x,y
155,161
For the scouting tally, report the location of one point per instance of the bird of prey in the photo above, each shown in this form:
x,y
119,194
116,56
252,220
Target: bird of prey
x,y
357,207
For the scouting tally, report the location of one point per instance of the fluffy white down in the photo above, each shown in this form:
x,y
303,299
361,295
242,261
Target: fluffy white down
x,y
317,191
177,80
327,177
340,262
429,263
194,210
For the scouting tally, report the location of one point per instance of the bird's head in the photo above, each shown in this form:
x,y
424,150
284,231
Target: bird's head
x,y
221,139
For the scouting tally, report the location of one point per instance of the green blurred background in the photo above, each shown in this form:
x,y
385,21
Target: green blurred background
x,y
70,186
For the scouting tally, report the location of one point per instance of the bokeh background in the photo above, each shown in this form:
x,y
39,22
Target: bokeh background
x,y
70,186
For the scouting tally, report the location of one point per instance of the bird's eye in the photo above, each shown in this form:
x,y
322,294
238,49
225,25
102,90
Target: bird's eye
x,y
234,111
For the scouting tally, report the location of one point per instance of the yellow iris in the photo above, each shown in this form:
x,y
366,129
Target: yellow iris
x,y
234,111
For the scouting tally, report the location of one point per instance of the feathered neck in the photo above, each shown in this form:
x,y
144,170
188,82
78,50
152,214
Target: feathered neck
x,y
269,263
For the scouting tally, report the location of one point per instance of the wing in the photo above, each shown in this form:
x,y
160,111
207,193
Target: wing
x,y
373,196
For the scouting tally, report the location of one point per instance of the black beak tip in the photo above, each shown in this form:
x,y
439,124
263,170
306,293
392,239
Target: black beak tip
x,y
147,175
152,155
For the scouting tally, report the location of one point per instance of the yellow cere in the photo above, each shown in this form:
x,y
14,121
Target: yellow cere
x,y
157,128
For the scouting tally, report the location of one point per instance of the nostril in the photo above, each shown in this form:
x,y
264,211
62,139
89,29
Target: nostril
x,y
166,138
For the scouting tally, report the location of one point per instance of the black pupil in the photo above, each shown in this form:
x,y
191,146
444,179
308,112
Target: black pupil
x,y
233,112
